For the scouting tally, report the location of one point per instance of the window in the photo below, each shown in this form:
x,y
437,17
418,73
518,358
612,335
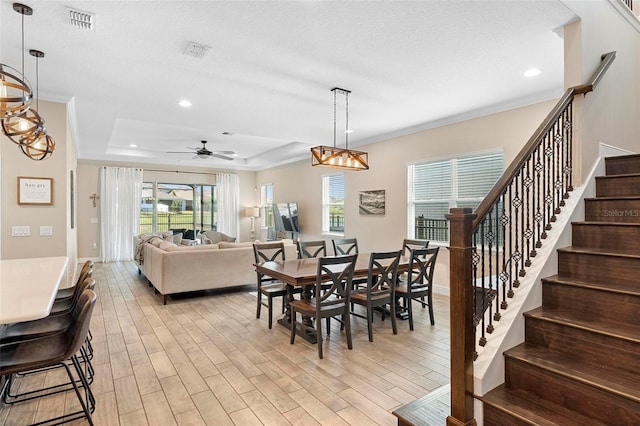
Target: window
x,y
266,210
437,186
333,204
166,206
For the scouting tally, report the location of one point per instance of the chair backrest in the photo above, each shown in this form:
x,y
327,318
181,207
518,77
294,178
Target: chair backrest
x,y
421,265
345,246
337,271
307,249
410,244
266,252
85,272
383,273
79,326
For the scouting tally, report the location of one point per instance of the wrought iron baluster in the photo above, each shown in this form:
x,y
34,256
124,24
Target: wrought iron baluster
x,y
502,220
557,184
570,147
528,234
510,261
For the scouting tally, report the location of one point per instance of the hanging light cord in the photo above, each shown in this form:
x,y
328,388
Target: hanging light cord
x,y
334,118
37,85
346,124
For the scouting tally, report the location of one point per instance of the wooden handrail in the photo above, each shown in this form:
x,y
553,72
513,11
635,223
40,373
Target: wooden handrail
x,y
513,169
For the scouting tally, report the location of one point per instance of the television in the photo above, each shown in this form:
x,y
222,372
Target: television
x,y
285,217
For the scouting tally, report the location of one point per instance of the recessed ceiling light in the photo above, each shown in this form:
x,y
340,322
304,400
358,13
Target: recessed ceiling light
x,y
133,145
184,103
532,72
348,131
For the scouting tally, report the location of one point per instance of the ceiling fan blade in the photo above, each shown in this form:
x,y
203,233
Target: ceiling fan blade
x,y
178,152
224,157
224,152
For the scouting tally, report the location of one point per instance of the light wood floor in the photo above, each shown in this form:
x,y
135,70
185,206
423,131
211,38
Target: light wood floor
x,y
208,360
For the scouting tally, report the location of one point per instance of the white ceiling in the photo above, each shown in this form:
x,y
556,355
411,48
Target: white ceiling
x,y
268,75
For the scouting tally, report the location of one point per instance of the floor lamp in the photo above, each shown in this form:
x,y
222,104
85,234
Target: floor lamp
x,y
253,213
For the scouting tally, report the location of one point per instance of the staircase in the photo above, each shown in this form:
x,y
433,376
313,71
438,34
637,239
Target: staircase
x,y
580,362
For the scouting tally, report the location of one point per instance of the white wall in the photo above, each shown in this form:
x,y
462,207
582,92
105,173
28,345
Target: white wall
x,y
388,160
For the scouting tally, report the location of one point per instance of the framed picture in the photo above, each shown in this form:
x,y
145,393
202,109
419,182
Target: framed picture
x,y
35,191
372,202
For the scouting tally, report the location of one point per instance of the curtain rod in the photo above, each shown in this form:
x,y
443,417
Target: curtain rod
x,y
178,171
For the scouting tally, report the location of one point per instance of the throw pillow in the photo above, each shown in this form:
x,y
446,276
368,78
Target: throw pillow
x,y
205,239
167,235
165,245
227,238
177,238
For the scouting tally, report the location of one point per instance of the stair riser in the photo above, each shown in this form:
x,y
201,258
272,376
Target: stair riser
x,y
600,304
619,186
495,417
622,165
598,268
590,347
585,399
625,211
610,238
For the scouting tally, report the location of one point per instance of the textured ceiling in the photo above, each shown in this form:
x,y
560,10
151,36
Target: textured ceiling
x,y
268,74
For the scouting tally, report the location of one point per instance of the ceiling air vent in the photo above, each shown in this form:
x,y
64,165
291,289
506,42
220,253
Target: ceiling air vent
x,y
81,19
196,50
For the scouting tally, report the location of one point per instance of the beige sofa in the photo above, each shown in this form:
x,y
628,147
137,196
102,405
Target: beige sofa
x,y
172,268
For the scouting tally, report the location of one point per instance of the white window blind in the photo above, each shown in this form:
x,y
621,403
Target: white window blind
x,y
437,186
333,203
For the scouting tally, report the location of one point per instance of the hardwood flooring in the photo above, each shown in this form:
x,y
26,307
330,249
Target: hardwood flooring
x,y
206,360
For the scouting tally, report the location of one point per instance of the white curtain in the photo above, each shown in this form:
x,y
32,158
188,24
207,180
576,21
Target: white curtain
x,y
228,187
120,194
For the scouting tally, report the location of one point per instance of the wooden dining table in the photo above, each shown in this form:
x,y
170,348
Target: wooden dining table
x,y
302,273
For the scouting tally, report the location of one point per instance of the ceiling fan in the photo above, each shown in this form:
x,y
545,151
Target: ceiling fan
x,y
205,153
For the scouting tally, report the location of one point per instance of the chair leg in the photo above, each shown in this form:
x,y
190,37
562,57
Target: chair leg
x,y
293,325
319,336
270,309
370,322
259,307
430,298
347,326
394,325
328,321
410,309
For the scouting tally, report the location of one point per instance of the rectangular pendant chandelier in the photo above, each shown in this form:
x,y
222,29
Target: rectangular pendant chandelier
x,y
340,158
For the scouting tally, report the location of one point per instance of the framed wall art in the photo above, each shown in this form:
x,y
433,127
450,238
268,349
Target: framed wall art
x,y
371,202
35,191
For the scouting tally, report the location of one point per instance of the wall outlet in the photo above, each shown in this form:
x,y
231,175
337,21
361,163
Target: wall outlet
x,y
46,231
20,231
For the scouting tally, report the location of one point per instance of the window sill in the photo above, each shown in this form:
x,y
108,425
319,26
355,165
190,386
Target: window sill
x,y
333,234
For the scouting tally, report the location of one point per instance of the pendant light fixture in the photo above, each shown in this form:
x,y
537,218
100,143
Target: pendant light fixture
x,y
40,145
340,158
15,90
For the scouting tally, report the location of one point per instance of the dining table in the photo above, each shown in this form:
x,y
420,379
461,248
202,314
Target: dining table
x,y
303,273
28,287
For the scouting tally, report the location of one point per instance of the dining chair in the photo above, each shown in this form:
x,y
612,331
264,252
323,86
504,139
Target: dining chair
x,y
269,286
85,272
342,246
55,350
328,302
308,249
382,277
409,244
419,282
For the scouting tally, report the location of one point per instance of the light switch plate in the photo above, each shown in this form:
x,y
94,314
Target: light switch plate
x,y
20,231
46,231
93,220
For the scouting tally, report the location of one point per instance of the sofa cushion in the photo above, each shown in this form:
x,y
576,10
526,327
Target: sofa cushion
x,y
166,244
216,237
177,238
194,248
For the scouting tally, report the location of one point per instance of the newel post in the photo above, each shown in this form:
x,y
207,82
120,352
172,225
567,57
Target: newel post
x,y
461,313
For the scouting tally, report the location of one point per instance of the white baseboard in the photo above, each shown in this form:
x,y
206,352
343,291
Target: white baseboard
x,y
93,259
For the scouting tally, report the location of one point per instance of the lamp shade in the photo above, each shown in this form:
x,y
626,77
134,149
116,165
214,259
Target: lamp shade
x,y
252,212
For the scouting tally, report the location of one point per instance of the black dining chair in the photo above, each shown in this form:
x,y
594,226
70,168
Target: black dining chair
x,y
328,302
419,282
309,249
269,286
342,246
382,277
53,350
409,244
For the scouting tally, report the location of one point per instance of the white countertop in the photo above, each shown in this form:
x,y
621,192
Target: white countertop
x,y
28,287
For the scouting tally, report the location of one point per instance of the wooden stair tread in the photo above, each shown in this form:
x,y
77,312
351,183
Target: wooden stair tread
x,y
620,330
626,198
580,250
608,379
431,409
618,176
632,289
595,223
530,408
